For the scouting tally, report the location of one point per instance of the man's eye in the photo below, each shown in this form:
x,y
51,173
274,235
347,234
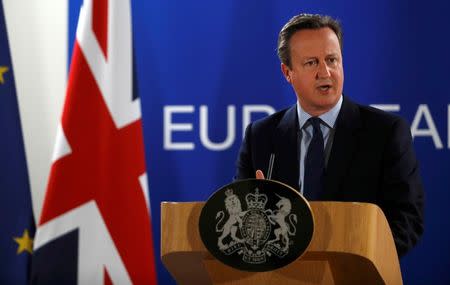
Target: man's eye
x,y
310,63
332,60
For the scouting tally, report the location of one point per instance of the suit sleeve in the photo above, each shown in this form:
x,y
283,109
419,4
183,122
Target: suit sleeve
x,y
402,197
244,165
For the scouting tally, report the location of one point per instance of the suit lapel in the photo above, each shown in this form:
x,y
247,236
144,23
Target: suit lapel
x,y
286,149
343,149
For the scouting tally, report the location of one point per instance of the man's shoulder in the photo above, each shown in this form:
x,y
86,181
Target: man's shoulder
x,y
272,121
372,117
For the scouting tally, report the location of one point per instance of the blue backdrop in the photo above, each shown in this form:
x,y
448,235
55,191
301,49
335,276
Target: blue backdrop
x,y
212,57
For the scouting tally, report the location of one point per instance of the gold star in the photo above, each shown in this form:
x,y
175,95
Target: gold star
x,y
25,242
3,69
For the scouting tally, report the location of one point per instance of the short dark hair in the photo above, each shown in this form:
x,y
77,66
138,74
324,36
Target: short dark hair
x,y
304,22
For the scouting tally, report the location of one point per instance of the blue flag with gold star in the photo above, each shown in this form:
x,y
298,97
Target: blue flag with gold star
x,y
16,215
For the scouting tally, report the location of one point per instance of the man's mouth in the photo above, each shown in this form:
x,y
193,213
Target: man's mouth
x,y
324,87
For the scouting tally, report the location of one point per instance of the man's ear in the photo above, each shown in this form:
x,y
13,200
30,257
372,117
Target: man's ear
x,y
286,72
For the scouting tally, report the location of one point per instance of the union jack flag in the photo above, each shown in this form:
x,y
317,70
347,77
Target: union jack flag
x,y
95,224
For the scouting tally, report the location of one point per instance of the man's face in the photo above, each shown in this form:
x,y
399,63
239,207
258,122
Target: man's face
x,y
316,72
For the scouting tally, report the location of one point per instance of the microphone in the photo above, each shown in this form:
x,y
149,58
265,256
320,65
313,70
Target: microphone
x,y
271,161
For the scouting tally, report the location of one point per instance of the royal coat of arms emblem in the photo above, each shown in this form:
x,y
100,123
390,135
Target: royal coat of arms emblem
x,y
269,229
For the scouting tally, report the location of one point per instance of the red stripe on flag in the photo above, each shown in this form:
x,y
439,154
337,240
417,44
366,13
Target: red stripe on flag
x,y
100,23
107,278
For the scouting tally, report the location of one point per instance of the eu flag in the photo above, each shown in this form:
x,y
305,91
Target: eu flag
x,y
16,215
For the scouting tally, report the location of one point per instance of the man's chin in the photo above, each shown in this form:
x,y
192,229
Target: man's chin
x,y
327,102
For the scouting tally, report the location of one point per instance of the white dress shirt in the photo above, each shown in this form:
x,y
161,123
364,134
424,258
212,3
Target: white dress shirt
x,y
327,127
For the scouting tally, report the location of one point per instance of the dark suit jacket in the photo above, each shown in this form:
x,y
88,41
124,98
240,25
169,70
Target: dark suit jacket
x,y
372,160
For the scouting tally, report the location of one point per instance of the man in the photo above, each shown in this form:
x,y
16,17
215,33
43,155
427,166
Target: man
x,y
328,147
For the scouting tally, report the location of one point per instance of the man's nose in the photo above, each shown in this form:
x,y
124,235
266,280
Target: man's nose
x,y
323,70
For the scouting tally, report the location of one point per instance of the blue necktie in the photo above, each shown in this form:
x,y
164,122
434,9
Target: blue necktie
x,y
314,163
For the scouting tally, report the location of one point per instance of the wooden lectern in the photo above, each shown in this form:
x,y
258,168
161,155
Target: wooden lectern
x,y
352,244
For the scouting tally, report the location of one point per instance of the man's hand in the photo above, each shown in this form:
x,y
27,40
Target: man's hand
x,y
259,174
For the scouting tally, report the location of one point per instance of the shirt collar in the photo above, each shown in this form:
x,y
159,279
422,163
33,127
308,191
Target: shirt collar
x,y
329,118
